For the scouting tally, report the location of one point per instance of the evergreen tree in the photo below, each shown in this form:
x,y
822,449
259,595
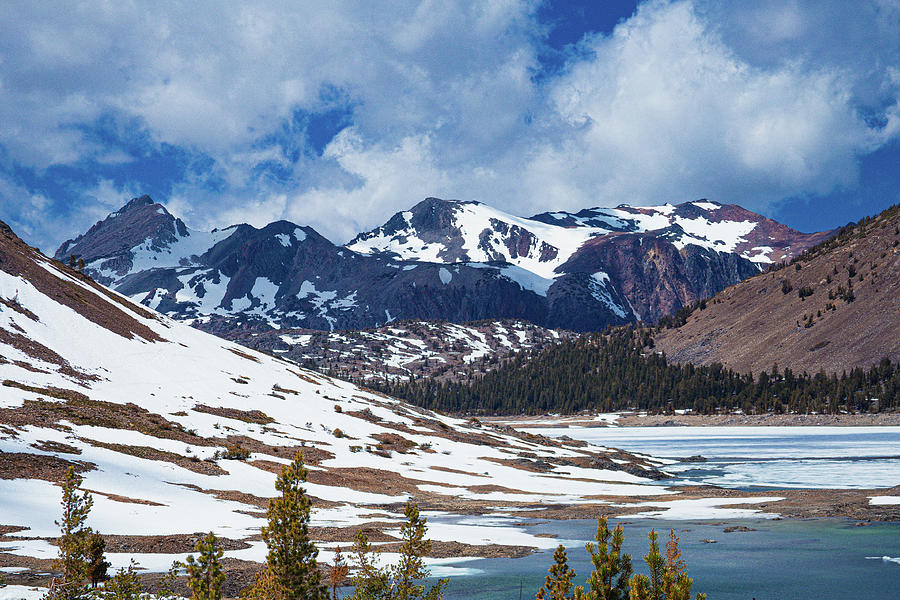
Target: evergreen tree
x,y
370,582
337,572
124,585
205,576
291,558
73,538
612,568
668,578
97,567
558,584
411,566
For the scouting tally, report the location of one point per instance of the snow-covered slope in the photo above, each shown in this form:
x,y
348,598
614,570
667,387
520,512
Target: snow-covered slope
x,y
144,406
405,349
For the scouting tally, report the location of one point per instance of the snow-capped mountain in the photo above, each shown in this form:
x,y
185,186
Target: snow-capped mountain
x,y
442,260
177,431
454,231
640,262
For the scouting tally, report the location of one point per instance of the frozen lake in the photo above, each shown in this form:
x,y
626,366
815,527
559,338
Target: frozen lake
x,y
799,559
754,457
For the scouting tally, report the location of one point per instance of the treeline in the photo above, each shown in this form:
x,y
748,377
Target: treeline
x,y
618,370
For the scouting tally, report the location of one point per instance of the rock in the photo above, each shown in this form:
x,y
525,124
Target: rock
x,y
694,459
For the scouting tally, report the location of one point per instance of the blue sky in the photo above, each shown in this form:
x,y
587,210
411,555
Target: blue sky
x,y
338,114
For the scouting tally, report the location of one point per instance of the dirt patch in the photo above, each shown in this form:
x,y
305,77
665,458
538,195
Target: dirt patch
x,y
365,479
312,455
81,410
51,446
247,416
249,357
125,499
204,467
393,442
166,544
20,465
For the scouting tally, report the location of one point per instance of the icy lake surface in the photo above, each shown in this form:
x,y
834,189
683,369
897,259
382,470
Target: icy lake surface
x,y
753,457
799,559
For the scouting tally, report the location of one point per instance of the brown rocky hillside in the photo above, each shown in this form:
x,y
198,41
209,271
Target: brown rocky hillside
x,y
835,308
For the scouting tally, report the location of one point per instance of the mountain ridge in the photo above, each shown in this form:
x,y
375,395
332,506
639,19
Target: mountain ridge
x,y
442,260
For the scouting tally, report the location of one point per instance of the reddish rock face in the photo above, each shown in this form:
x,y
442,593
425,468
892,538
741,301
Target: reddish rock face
x,y
654,275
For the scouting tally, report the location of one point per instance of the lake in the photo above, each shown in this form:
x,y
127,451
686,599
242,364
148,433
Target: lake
x,y
797,559
760,457
800,560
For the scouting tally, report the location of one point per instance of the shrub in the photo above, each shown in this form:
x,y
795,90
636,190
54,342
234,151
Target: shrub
x,y
233,452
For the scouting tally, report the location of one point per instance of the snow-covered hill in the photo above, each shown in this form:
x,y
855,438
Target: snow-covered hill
x,y
405,349
144,407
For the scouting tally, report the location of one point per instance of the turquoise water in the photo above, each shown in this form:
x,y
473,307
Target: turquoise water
x,y
799,560
783,559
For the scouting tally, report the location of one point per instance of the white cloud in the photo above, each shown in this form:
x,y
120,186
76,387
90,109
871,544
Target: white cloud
x,y
683,100
665,111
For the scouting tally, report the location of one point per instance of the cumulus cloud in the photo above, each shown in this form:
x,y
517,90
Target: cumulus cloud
x,y
740,102
664,110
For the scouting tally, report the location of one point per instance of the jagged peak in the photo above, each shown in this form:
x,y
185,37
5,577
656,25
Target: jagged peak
x,y
138,202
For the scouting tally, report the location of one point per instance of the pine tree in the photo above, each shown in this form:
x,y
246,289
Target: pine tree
x,y
668,578
73,538
337,573
370,582
650,588
558,584
97,567
292,555
124,585
612,568
205,576
411,566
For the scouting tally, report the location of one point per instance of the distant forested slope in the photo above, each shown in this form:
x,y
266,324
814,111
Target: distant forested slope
x,y
614,371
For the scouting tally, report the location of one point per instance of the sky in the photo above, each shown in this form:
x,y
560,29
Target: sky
x,y
338,114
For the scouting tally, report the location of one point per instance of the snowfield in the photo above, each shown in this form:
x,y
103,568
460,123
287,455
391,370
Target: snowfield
x,y
161,403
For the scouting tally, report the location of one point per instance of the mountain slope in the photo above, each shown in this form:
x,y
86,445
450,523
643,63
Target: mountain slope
x,y
177,432
404,349
835,308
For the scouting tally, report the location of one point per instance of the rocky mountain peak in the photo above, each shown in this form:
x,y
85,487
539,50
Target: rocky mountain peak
x,y
441,259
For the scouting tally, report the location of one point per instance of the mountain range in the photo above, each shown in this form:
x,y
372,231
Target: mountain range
x,y
441,260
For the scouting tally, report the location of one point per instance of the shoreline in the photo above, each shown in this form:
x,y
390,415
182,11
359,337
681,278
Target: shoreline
x,y
632,419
